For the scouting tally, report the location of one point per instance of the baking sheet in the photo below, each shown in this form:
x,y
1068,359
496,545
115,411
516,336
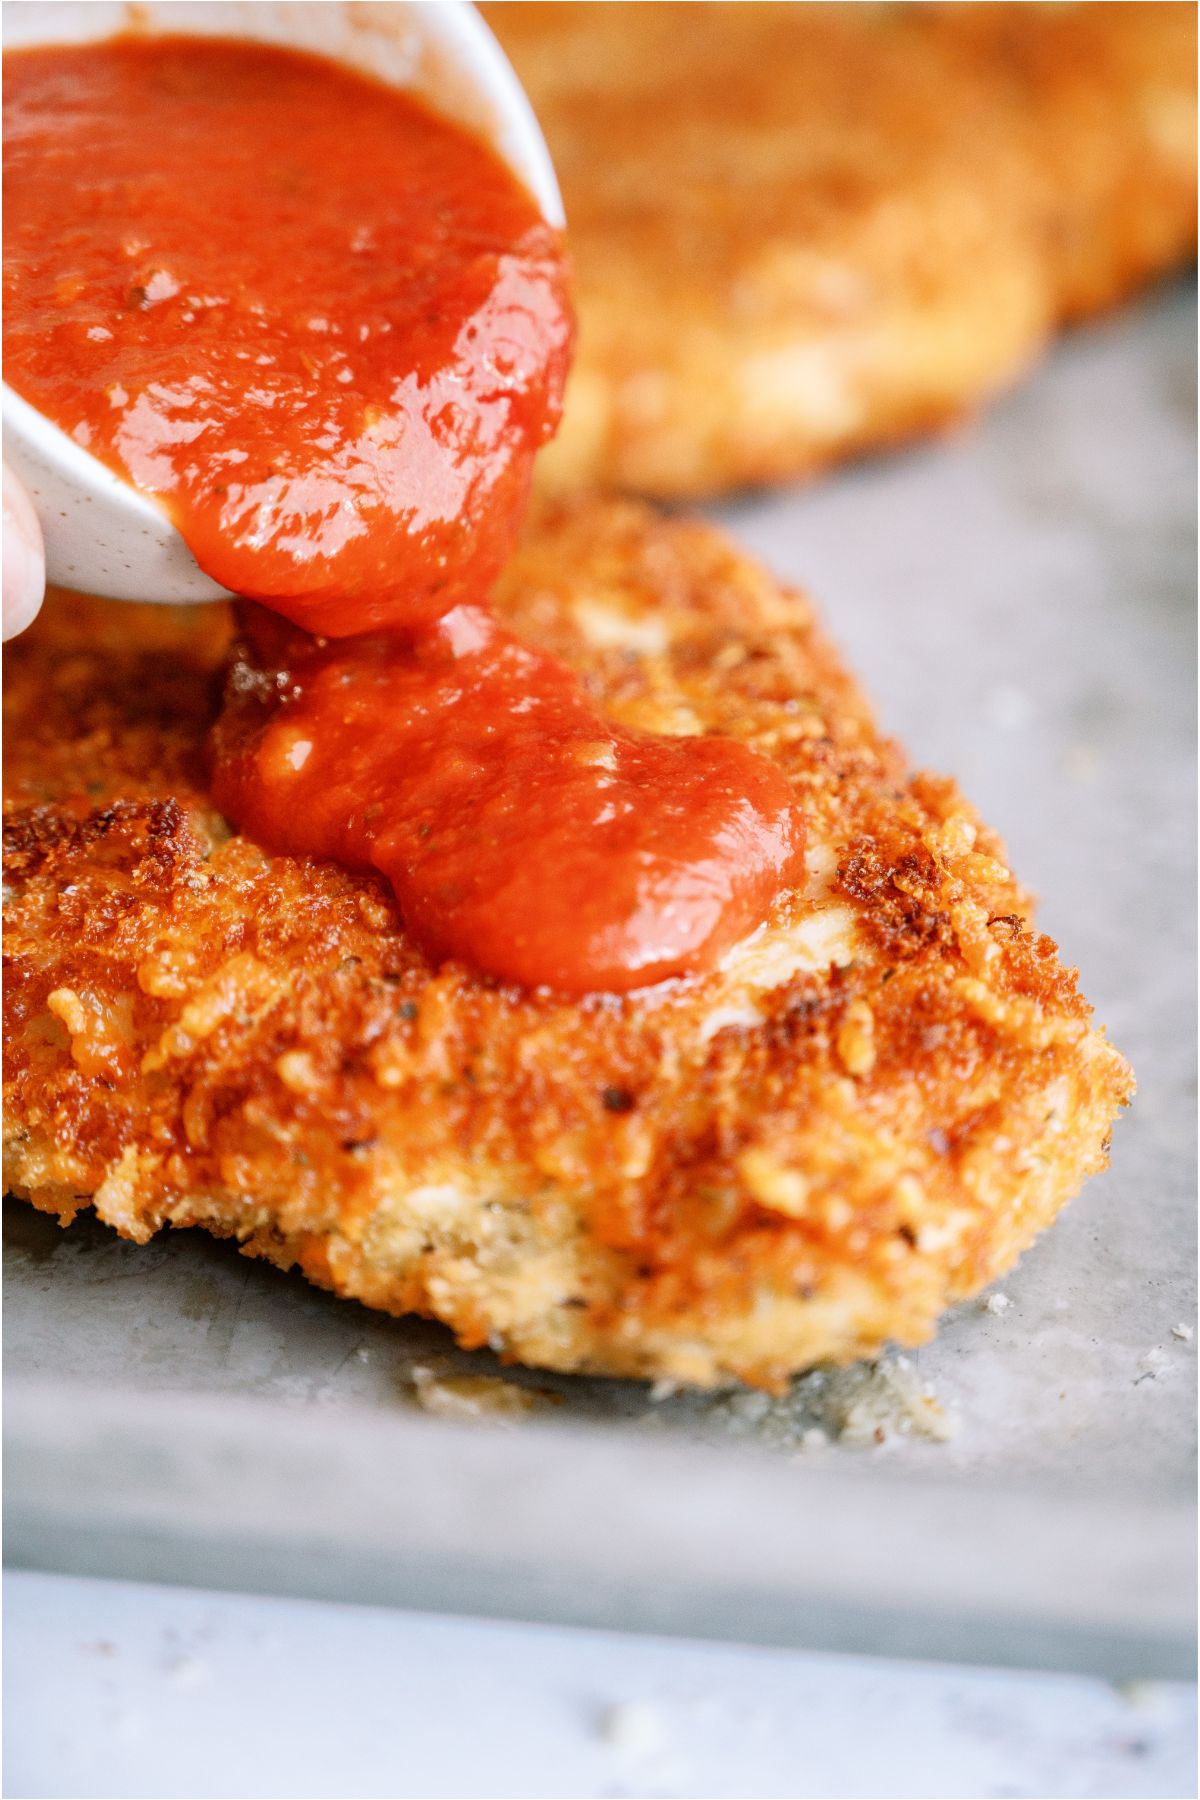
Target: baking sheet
x,y
1020,600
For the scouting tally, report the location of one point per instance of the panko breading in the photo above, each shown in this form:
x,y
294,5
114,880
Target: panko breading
x,y
802,230
865,1113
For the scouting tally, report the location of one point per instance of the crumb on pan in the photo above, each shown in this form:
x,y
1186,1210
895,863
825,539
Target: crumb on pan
x,y
480,1398
865,1406
634,1728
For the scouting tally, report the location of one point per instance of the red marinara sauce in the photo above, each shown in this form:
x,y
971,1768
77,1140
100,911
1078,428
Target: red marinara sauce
x,y
520,830
329,331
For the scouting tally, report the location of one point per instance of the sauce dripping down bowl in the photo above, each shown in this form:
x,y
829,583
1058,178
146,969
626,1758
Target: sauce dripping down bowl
x,y
103,535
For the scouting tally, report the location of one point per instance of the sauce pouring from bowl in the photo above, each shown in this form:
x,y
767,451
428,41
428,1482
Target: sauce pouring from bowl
x,y
103,534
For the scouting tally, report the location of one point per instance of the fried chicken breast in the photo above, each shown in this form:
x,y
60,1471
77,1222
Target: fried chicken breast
x,y
803,230
866,1112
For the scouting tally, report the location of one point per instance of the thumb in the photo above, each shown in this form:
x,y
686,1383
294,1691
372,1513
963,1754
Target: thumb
x,y
23,556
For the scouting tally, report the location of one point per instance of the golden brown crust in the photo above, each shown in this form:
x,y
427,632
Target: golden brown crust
x,y
868,1113
802,230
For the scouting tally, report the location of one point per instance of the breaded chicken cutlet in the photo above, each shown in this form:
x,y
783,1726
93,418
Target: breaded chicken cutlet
x,y
867,1112
801,230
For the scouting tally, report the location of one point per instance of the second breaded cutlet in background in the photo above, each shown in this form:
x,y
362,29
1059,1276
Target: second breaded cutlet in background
x,y
803,230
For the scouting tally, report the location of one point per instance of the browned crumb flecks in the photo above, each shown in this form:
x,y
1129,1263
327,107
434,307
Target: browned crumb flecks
x,y
803,229
868,1112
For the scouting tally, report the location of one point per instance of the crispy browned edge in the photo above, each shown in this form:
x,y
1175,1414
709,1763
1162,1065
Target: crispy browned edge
x,y
197,1032
800,231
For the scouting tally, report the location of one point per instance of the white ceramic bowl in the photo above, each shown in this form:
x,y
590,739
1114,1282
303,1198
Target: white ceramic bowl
x,y
102,535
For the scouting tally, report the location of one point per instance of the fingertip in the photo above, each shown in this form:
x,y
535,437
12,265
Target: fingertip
x,y
24,573
24,584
